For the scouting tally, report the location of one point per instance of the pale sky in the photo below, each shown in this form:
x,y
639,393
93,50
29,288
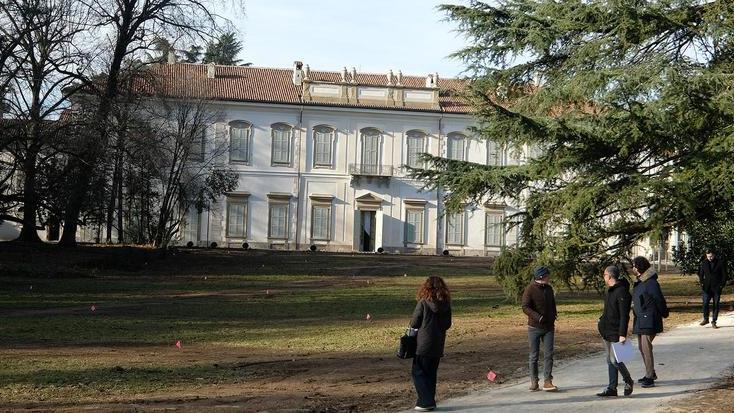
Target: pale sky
x,y
371,35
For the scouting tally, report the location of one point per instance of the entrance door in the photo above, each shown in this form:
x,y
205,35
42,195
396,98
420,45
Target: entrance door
x,y
367,231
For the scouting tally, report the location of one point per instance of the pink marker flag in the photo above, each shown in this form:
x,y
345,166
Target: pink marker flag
x,y
369,317
93,307
178,343
491,375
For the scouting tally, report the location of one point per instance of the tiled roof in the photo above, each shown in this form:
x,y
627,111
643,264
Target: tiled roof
x,y
268,85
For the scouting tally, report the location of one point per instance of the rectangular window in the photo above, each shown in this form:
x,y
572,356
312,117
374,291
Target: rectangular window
x,y
495,229
494,154
239,144
281,146
322,147
455,228
414,226
415,148
196,151
455,149
278,217
193,225
236,218
320,220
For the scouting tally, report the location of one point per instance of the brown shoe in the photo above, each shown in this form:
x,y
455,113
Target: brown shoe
x,y
713,324
548,386
534,385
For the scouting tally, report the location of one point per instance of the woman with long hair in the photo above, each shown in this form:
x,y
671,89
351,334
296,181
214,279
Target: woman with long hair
x,y
432,317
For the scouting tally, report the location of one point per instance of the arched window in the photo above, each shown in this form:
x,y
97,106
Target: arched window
x,y
323,142
281,146
416,144
455,146
494,153
370,150
240,141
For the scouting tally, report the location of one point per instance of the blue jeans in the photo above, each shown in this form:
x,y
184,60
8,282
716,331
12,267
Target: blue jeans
x,y
614,368
425,372
535,336
707,297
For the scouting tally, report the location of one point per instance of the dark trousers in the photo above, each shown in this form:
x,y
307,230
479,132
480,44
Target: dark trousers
x,y
424,372
535,336
707,298
615,368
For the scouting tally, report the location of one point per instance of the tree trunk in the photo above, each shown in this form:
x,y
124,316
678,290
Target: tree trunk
x,y
111,205
29,232
120,229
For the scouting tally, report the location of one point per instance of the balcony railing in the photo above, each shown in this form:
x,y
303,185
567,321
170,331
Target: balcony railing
x,y
357,169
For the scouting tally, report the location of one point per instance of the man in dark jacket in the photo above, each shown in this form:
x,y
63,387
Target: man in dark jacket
x,y
649,306
613,328
539,304
712,276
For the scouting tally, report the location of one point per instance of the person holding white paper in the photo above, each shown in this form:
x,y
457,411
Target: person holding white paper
x,y
613,325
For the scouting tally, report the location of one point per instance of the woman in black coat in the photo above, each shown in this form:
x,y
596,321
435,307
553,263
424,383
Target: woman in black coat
x,y
432,317
649,307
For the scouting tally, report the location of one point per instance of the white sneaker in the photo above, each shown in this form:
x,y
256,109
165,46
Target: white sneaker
x,y
423,409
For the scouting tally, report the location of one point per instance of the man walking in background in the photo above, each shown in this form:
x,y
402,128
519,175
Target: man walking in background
x,y
712,276
539,304
613,325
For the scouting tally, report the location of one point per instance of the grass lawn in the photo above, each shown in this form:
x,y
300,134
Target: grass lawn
x,y
258,330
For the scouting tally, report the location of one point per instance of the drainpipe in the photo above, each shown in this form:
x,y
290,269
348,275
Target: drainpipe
x,y
298,181
438,192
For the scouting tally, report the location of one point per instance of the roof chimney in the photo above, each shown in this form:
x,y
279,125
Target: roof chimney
x,y
389,78
429,81
211,71
400,78
344,74
306,72
354,75
297,73
435,79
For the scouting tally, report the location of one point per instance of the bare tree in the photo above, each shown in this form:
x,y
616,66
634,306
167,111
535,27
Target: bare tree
x,y
134,25
183,172
46,61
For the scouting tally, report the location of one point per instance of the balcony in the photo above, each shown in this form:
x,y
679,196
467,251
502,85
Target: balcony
x,y
357,169
371,171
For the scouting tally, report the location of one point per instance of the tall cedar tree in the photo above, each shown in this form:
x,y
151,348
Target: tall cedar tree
x,y
630,103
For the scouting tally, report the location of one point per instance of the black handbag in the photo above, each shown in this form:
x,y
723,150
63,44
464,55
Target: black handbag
x,y
407,347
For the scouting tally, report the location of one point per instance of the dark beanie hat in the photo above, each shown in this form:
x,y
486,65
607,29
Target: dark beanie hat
x,y
641,263
541,272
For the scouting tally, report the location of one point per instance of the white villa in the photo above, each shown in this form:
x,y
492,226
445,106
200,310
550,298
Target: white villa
x,y
320,158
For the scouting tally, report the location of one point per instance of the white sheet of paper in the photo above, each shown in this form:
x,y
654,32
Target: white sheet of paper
x,y
623,352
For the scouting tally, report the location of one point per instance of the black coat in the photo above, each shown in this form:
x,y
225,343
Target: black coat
x,y
432,320
616,316
712,275
648,302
